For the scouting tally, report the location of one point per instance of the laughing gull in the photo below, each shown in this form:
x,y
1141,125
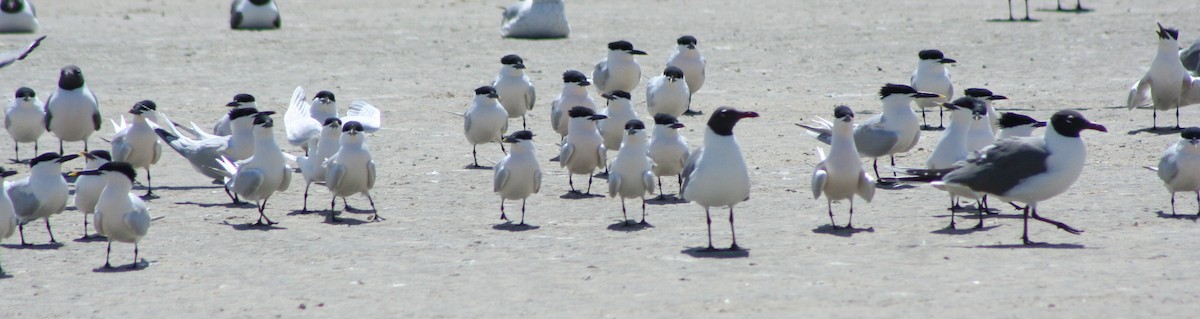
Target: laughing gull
x,y
351,170
23,120
303,120
716,175
41,194
574,93
668,93
261,175
953,147
619,112
583,149
1179,167
240,101
514,87
485,121
669,150
136,143
535,19
8,218
253,15
619,71
312,166
986,96
687,58
72,112
1017,125
1167,85
204,152
10,57
931,76
18,16
120,216
518,175
88,188
630,175
841,175
1027,170
894,131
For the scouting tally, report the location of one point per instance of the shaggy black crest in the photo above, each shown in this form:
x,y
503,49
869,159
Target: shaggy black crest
x,y
573,76
1009,119
243,98
635,125
1167,33
264,118
621,94
1191,133
242,112
620,45
686,40
119,167
45,157
580,111
101,154
931,55
352,126
842,111
25,92
978,92
522,135
327,95
664,119
892,88
333,120
146,104
485,90
511,59
673,72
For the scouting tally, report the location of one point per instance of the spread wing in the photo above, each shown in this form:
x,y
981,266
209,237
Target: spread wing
x,y
11,57
1139,94
299,126
366,114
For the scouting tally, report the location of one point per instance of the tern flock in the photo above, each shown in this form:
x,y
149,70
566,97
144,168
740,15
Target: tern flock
x,y
981,152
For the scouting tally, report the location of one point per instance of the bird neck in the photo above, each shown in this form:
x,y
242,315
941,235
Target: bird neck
x,y
1168,48
45,170
897,103
575,89
523,148
511,71
619,56
720,144
931,66
264,139
635,143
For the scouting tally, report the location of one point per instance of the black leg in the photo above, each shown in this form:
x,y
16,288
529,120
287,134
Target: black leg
x,y
589,190
17,151
951,209
21,229
60,148
732,232
332,213
51,232
1154,121
875,165
924,123
376,217
346,207
571,181
1025,227
829,207
135,256
1177,118
850,223
85,146
502,146
1197,203
522,212
1078,5
624,216
474,157
149,186
1010,16
941,114
1173,202
680,179
523,124
982,206
502,216
893,157
1058,224
1060,5
643,222
708,219
106,254
306,186
661,195
263,216
1027,11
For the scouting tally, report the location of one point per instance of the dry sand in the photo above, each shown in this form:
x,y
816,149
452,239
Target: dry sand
x,y
437,254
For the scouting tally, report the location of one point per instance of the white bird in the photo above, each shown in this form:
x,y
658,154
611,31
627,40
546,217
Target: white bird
x,y
204,152
894,131
88,188
980,134
619,71
535,19
253,15
986,96
668,150
518,175
619,112
1028,170
583,149
1179,167
1167,85
485,121
10,57
687,58
8,218
240,101
137,143
312,166
351,170
953,147
574,93
120,215
72,112
841,175
23,120
931,76
18,16
261,175
668,93
716,175
303,120
630,173
1017,125
41,194
515,90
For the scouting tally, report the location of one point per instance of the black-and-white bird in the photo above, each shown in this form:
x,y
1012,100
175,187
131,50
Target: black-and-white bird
x,y
583,151
41,194
88,188
303,121
619,112
716,175
72,112
687,57
8,218
954,146
312,166
841,176
254,15
120,215
515,89
630,174
240,101
351,170
1167,85
574,93
535,19
986,96
263,174
485,121
668,93
669,151
136,143
23,120
10,57
18,16
931,76
1027,170
1179,167
203,152
619,71
518,175
1017,125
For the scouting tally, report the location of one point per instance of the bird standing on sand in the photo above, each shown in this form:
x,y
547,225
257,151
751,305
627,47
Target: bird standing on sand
x,y
41,194
687,57
518,175
120,216
841,176
717,175
630,174
23,120
669,151
583,149
72,112
514,87
535,19
931,76
1179,167
1167,85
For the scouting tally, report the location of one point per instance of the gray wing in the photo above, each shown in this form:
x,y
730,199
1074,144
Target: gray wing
x,y
818,179
530,97
96,112
24,203
510,12
500,179
1191,57
690,167
872,140
1004,165
247,182
1167,166
11,57
287,179
467,122
555,112
333,175
564,154
370,174
600,75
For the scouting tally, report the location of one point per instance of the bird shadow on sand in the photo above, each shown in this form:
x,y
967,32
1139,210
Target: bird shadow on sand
x,y
962,231
509,226
1014,20
666,200
705,252
16,161
1072,10
1156,131
578,195
49,246
629,226
138,266
932,128
1162,214
226,205
4,275
303,212
893,186
90,239
344,221
841,231
182,188
477,167
1033,246
249,226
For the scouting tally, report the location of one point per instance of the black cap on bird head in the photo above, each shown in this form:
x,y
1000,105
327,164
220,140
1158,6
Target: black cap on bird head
x,y
634,125
4,172
687,40
1167,33
1010,119
326,95
1191,133
617,94
513,60
964,103
899,89
333,122
70,78
264,119
12,6
487,90
935,55
143,106
843,113
242,112
25,92
668,120
239,99
673,72
352,127
118,167
582,111
623,45
519,136
1070,122
978,93
51,156
573,76
724,118
97,154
